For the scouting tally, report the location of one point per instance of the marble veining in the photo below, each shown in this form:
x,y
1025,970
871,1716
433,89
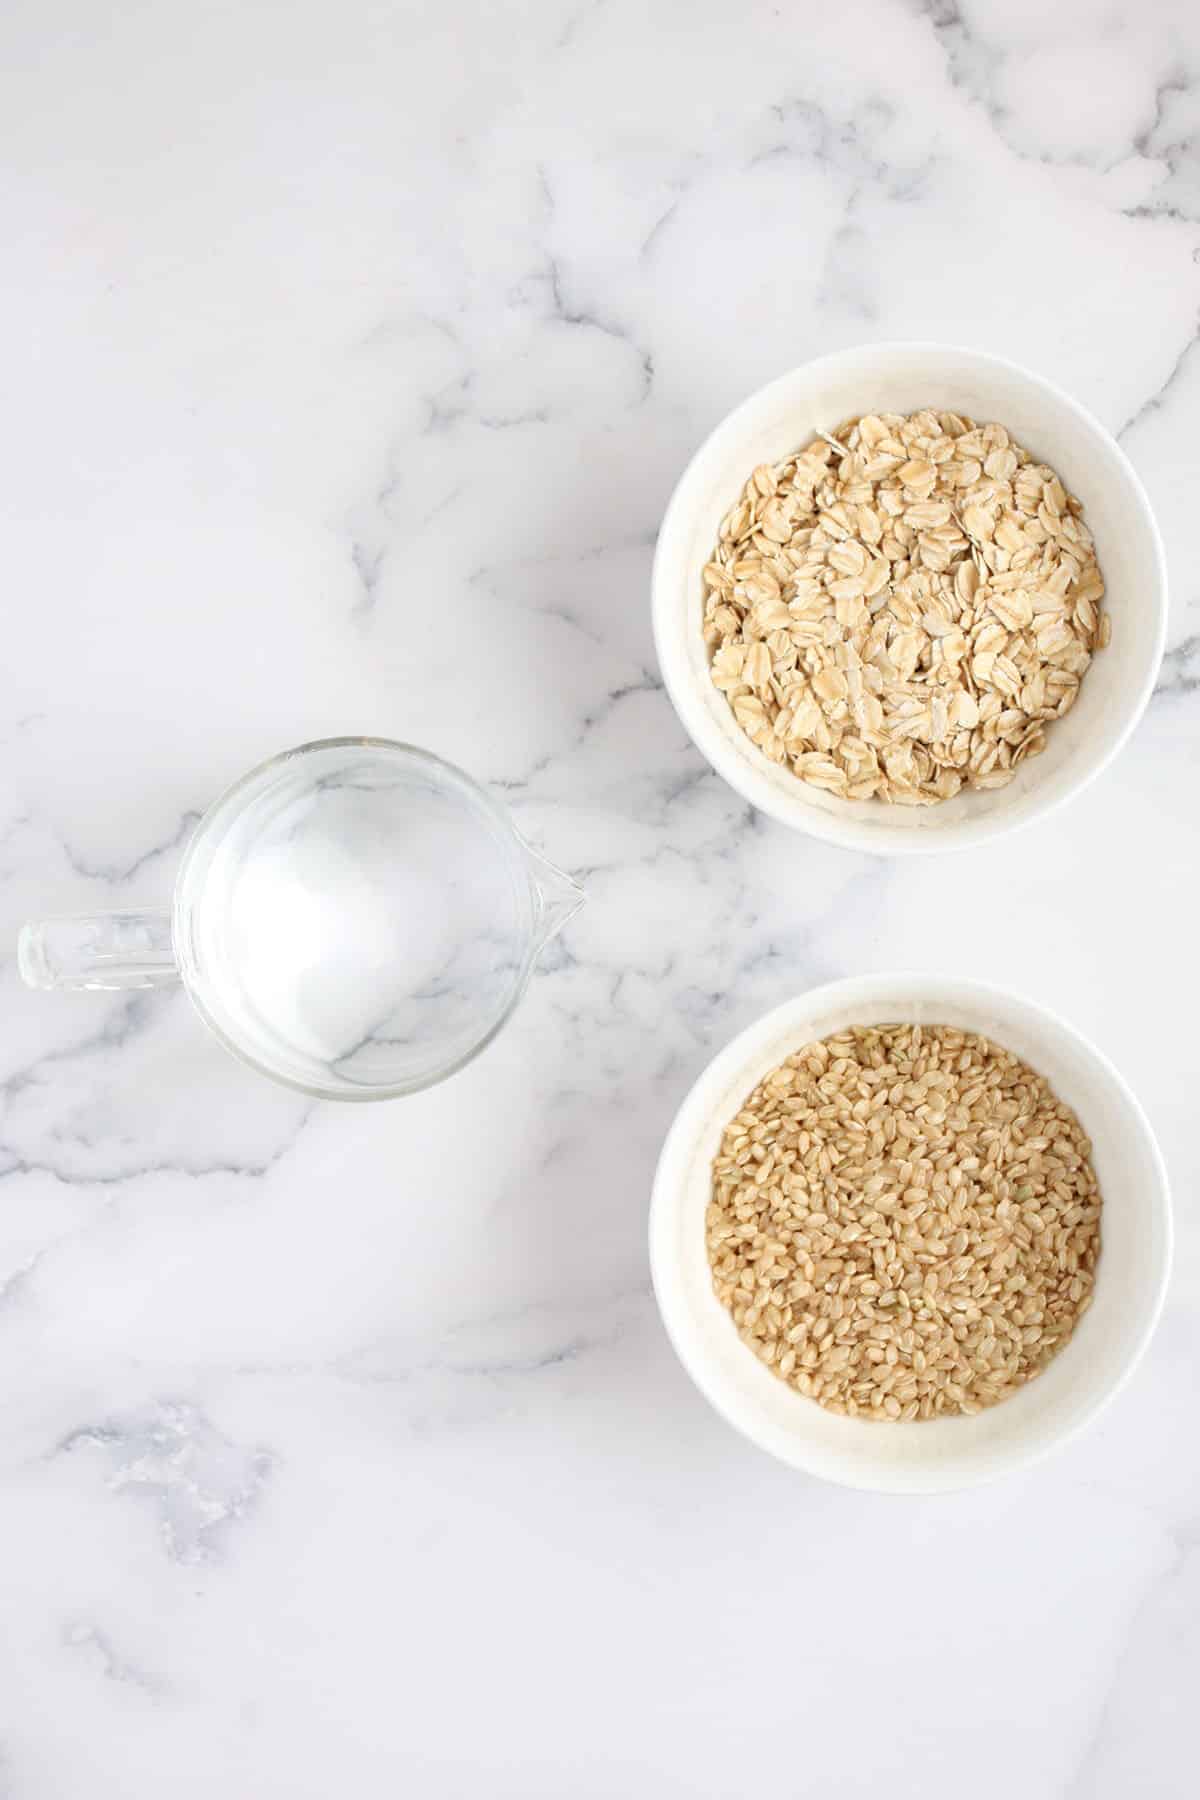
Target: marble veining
x,y
354,354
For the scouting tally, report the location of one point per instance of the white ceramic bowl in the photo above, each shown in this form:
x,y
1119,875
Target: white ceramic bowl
x,y
903,378
926,1456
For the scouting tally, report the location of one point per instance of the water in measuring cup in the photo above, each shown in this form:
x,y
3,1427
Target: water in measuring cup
x,y
363,924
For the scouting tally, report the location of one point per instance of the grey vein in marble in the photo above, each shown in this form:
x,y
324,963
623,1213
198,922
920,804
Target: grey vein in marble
x,y
197,1483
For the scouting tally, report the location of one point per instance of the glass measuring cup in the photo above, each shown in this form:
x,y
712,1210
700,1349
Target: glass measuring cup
x,y
356,918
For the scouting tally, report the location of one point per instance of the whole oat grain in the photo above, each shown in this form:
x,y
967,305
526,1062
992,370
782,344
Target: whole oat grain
x,y
904,1222
903,607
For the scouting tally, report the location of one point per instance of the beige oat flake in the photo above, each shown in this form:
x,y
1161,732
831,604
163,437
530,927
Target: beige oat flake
x,y
888,583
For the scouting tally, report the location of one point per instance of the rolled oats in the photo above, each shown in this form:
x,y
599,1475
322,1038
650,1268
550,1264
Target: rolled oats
x,y
901,608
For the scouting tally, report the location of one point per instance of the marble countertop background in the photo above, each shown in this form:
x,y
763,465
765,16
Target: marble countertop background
x,y
352,352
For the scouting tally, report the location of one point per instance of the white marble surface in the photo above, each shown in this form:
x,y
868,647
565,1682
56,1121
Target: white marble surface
x,y
352,352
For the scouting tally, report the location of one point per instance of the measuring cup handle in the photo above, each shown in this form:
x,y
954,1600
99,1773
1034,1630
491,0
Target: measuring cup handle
x,y
109,950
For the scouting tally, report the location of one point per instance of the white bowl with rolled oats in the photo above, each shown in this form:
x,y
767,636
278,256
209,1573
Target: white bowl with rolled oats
x,y
910,1233
908,597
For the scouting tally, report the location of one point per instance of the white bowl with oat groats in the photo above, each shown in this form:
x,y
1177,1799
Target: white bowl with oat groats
x,y
910,1233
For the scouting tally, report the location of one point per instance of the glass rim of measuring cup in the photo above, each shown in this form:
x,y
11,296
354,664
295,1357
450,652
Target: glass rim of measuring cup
x,y
553,897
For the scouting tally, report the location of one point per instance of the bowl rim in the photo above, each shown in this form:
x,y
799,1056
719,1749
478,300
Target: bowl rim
x,y
895,838
678,1148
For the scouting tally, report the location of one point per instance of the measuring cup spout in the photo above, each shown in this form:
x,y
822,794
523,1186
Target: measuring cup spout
x,y
559,898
